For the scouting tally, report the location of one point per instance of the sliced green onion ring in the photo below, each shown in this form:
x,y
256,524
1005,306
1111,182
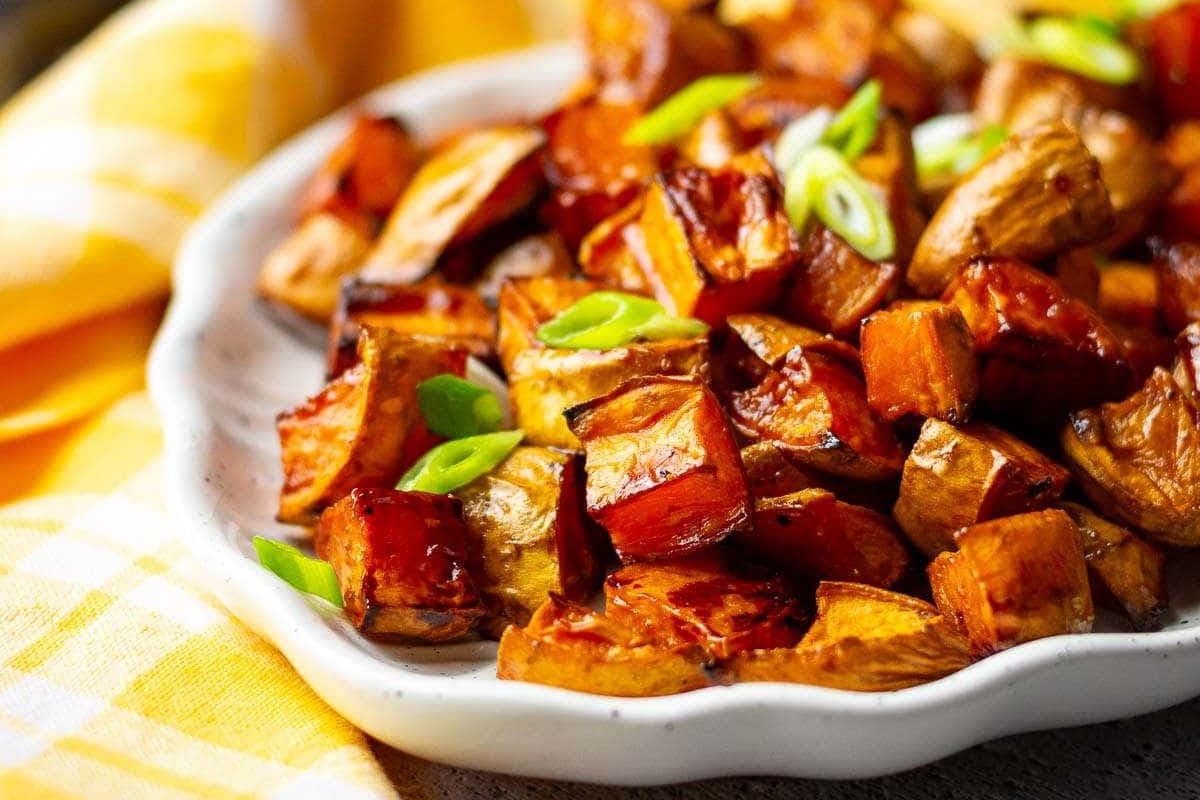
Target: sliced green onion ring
x,y
301,572
799,135
680,112
458,462
855,126
952,145
455,408
843,201
664,326
1083,49
603,320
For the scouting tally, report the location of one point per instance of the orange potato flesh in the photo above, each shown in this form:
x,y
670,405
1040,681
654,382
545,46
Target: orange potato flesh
x,y
834,287
528,514
663,473
1129,568
545,382
572,647
430,308
699,601
360,431
770,339
1015,579
1187,364
1138,460
1129,295
713,142
770,472
538,255
826,39
765,110
472,183
715,243
812,534
612,252
304,271
958,476
919,359
405,563
1181,212
863,639
1077,273
1043,353
1179,269
528,303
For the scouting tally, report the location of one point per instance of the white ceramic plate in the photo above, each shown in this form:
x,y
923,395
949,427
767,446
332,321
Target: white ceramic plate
x,y
224,365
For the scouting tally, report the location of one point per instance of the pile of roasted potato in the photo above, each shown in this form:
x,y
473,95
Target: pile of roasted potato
x,y
858,473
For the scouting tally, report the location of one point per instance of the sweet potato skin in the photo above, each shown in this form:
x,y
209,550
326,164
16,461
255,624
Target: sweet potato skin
x,y
812,534
405,563
863,639
664,477
919,359
359,431
572,647
1015,579
958,476
834,286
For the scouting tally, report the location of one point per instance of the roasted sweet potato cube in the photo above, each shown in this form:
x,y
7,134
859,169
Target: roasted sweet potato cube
x,y
1181,212
361,180
1139,460
919,359
1176,60
958,476
304,270
544,382
591,171
771,472
430,308
1129,294
1179,268
1187,362
830,39
768,340
715,243
1042,352
610,252
536,537
1078,274
405,563
1034,196
947,55
640,51
812,534
701,601
1015,579
538,255
1019,94
713,142
572,647
864,639
1129,568
663,473
359,431
778,99
526,304
471,183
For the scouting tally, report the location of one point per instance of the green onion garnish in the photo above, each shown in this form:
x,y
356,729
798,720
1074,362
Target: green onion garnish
x,y
952,145
1083,45
680,112
458,462
455,408
1144,9
309,575
824,183
800,135
603,320
854,127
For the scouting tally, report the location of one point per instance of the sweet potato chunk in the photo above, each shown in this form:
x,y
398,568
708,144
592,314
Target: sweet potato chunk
x,y
946,54
1187,364
715,242
713,142
812,534
831,39
1129,294
640,52
573,647
361,180
958,476
430,308
536,537
538,255
770,472
1042,352
1015,579
1181,212
663,472
1036,195
1176,60
303,272
1078,274
528,303
472,183
1020,94
919,359
1129,568
592,173
405,563
358,432
700,601
1179,269
1139,460
864,639
544,382
765,110
612,252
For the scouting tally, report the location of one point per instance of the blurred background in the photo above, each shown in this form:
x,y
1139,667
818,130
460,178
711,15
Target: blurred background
x,y
35,32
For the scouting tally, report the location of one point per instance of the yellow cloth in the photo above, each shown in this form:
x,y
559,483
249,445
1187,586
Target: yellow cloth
x,y
120,677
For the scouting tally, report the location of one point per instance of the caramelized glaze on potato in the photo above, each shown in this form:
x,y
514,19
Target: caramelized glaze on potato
x,y
812,534
612,252
572,647
1179,269
1129,294
834,286
304,271
663,473
958,476
863,639
1015,579
1176,60
362,429
1181,212
405,563
700,601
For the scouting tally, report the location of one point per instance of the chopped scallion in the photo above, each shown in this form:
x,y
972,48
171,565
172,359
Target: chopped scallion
x,y
458,462
855,126
309,575
603,320
680,112
455,408
823,183
800,135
